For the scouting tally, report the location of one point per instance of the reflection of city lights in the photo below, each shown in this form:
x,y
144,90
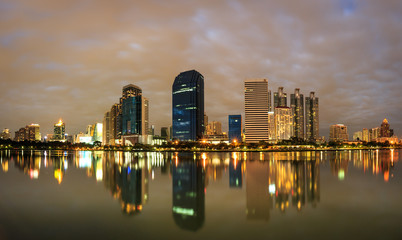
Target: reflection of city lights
x,y
341,174
271,188
5,166
58,174
34,173
153,174
99,175
386,176
65,165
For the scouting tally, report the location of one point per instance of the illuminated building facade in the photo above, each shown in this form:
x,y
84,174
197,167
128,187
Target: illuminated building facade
x,y
115,124
283,123
375,133
214,128
385,129
33,132
106,129
280,98
20,135
256,110
312,117
338,133
235,128
188,106
297,105
271,126
366,135
358,136
5,134
59,131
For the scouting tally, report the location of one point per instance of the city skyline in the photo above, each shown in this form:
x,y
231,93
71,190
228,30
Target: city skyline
x,y
347,51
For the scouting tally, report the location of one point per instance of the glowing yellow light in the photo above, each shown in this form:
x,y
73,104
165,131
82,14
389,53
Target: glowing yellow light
x,y
58,174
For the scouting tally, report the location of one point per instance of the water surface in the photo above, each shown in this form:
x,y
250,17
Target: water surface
x,y
150,195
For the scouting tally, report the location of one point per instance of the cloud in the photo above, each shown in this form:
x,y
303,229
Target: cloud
x,y
83,52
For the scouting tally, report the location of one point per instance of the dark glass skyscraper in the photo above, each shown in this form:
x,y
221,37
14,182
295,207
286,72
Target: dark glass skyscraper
x,y
188,106
235,128
131,110
297,105
280,98
312,117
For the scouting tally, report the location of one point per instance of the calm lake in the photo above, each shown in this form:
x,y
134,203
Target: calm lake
x,y
152,195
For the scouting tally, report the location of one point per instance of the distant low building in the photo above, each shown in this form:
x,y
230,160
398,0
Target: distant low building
x,y
5,134
338,133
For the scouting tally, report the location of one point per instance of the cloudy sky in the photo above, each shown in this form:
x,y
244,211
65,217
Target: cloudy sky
x,y
70,59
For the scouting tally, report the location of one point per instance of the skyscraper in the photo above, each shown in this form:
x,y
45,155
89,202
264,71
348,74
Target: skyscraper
x,y
384,130
33,132
283,123
188,106
234,128
106,129
297,105
312,117
280,98
59,131
131,110
115,123
256,110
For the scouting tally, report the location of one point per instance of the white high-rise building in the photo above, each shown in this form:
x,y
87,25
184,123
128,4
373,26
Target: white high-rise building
x,y
283,123
256,110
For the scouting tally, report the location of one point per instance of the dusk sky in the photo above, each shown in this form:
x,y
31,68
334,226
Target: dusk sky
x,y
70,59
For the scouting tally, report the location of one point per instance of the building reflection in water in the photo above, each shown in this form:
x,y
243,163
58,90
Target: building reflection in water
x,y
258,199
281,182
188,191
235,172
275,179
126,175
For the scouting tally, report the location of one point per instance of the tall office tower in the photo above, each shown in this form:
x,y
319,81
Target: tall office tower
x,y
33,132
365,135
5,134
269,101
280,98
59,131
297,105
145,115
312,117
115,126
271,125
358,136
283,123
385,131
338,133
106,129
188,106
214,127
256,109
132,111
234,128
96,133
375,133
